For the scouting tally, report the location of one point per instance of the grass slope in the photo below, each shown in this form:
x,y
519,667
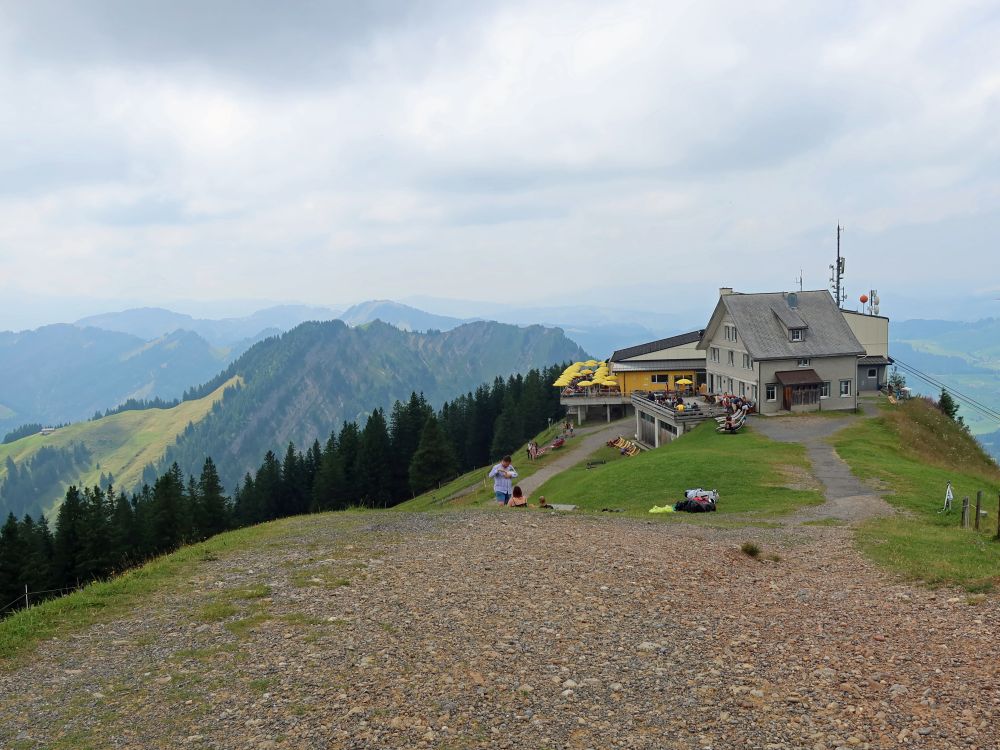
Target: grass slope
x,y
753,475
121,444
441,498
912,451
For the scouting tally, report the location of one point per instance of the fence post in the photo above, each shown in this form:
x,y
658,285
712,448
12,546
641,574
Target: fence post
x,y
979,505
965,512
26,604
998,516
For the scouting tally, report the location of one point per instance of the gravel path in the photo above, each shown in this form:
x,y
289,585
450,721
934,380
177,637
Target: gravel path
x,y
489,629
578,450
847,497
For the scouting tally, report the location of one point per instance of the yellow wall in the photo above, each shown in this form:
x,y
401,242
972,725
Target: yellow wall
x,y
643,381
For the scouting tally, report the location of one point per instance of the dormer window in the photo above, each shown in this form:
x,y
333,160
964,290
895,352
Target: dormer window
x,y
796,334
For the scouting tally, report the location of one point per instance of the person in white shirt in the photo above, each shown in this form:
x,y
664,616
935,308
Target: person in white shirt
x,y
502,475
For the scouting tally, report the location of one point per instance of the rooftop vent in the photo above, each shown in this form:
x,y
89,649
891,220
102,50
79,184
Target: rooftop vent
x,y
793,300
725,291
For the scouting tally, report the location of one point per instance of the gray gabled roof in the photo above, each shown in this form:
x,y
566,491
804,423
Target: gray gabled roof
x,y
655,346
758,319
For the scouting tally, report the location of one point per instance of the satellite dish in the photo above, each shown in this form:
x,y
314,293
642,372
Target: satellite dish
x,y
874,309
875,300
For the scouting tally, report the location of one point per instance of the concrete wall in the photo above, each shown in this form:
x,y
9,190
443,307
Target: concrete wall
x,y
832,369
871,330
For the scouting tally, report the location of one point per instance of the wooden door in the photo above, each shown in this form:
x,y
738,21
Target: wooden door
x,y
786,401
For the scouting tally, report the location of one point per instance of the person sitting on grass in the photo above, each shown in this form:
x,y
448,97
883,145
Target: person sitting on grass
x,y
517,499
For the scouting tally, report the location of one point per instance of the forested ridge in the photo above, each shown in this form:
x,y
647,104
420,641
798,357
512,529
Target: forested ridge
x,y
320,376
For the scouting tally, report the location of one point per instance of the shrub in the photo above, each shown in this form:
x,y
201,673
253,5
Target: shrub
x,y
750,550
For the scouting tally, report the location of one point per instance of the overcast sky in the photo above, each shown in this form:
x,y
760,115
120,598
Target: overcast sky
x,y
637,154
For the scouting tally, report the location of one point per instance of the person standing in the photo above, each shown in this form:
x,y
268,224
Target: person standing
x,y
502,474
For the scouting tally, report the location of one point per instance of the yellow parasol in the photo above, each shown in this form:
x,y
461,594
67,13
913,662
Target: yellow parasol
x,y
584,384
683,381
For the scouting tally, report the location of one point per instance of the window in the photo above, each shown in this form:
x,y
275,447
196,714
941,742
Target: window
x,y
845,388
743,388
753,391
771,392
796,334
747,364
714,351
661,378
732,358
734,334
872,372
824,390
803,362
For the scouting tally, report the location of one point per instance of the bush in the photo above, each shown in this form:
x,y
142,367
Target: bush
x,y
750,550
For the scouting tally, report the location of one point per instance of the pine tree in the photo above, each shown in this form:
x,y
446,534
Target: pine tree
x,y
374,478
293,494
125,542
12,554
509,432
95,536
268,488
329,491
433,460
36,567
947,404
68,539
213,511
348,443
168,505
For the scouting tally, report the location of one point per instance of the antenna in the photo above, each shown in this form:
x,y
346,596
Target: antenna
x,y
837,273
800,279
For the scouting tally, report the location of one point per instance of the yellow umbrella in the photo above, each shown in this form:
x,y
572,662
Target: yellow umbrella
x,y
683,381
591,363
584,384
586,372
610,381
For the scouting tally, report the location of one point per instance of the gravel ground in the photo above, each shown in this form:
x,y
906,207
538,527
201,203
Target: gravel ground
x,y
524,629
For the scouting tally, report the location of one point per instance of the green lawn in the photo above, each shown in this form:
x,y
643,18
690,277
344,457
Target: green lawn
x,y
754,475
912,451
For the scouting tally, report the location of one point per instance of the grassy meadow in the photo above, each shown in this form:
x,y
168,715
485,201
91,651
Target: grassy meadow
x,y
910,452
121,444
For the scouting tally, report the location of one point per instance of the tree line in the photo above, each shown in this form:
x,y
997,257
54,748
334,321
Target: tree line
x,y
101,531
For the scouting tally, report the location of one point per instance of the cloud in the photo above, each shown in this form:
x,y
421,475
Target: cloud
x,y
330,152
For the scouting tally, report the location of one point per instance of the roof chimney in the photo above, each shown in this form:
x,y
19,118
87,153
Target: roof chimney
x,y
725,291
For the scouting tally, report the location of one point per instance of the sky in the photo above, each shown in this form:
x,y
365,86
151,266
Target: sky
x,y
217,155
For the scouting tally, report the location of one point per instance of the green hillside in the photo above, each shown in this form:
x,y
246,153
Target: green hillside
x,y
912,451
121,444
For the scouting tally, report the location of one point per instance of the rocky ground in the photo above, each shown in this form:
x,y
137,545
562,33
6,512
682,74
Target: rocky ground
x,y
523,629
